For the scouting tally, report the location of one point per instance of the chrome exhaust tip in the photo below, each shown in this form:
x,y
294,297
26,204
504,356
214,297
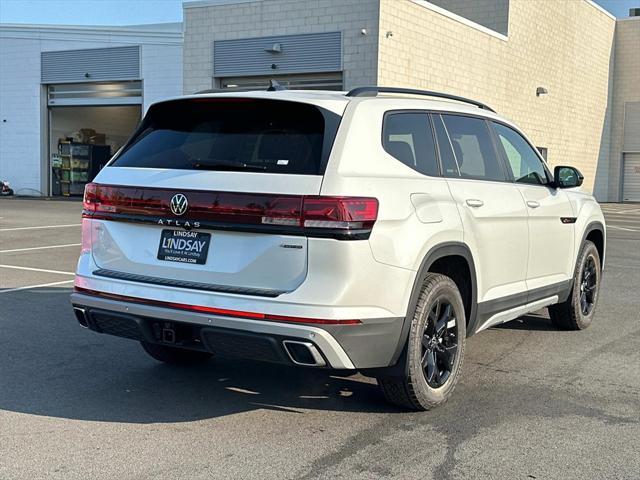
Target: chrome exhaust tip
x,y
81,316
303,353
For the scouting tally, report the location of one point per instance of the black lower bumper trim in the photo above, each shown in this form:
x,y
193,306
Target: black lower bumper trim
x,y
223,342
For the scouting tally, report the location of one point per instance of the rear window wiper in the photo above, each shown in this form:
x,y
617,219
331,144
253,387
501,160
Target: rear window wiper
x,y
225,165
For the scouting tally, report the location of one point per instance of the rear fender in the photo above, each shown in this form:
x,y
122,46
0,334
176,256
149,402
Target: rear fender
x,y
398,363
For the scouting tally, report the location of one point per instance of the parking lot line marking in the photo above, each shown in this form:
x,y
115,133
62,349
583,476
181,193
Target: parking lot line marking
x,y
624,223
27,287
31,269
609,265
41,226
616,228
40,248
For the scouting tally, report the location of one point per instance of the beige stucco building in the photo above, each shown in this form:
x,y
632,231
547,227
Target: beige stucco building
x,y
501,52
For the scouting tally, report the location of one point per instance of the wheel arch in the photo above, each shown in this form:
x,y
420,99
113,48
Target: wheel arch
x,y
437,256
595,232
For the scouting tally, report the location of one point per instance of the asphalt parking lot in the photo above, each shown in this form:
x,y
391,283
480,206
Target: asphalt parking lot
x,y
533,402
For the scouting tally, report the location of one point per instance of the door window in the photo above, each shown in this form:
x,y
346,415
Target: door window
x,y
473,148
522,159
408,138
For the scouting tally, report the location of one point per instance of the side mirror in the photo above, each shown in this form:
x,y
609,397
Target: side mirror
x,y
567,177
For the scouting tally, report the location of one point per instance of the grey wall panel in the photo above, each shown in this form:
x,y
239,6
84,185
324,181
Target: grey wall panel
x,y
314,52
631,141
114,63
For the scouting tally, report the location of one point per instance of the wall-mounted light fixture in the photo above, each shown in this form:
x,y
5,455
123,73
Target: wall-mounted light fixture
x,y
389,34
541,91
363,31
275,48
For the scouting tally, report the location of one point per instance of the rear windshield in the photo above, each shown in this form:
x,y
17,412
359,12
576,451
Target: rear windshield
x,y
233,134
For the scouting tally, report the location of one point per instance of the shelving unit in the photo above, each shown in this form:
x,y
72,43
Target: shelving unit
x,y
77,164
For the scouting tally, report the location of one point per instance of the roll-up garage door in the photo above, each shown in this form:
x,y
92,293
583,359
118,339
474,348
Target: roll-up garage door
x,y
101,93
631,179
92,76
91,65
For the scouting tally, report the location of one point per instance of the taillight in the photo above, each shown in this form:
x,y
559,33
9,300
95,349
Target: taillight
x,y
338,217
285,211
339,212
90,198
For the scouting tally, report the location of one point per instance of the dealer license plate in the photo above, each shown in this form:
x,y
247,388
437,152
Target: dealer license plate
x,y
184,247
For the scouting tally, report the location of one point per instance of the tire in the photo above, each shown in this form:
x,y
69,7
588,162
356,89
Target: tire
x,y
175,355
434,356
576,313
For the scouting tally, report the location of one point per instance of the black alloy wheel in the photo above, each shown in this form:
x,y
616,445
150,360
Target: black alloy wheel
x,y
434,352
577,311
439,343
588,285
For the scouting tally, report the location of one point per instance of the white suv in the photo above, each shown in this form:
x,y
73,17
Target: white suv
x,y
372,230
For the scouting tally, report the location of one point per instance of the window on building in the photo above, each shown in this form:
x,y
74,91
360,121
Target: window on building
x,y
522,159
544,151
473,148
492,14
408,138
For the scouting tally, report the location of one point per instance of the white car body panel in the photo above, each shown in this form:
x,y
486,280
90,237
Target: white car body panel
x,y
235,258
321,295
497,234
550,240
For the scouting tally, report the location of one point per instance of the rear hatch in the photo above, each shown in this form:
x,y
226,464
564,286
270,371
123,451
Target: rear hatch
x,y
209,194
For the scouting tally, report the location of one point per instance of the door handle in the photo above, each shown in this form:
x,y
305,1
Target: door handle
x,y
533,204
474,202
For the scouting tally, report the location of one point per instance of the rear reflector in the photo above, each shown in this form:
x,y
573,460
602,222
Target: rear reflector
x,y
85,237
217,311
291,214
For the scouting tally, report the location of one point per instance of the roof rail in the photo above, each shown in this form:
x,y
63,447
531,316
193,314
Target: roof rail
x,y
373,91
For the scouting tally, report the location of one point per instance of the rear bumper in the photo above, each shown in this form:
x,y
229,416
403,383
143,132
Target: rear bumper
x,y
348,347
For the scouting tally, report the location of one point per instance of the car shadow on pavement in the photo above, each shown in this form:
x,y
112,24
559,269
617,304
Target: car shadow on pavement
x,y
51,366
533,321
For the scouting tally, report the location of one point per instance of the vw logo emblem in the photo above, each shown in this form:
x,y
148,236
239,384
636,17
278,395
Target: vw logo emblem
x,y
178,204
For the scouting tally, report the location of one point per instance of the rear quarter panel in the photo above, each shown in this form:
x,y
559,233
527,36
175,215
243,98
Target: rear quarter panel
x,y
416,212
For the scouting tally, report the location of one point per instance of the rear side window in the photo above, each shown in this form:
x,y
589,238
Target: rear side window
x,y
233,134
473,148
408,138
